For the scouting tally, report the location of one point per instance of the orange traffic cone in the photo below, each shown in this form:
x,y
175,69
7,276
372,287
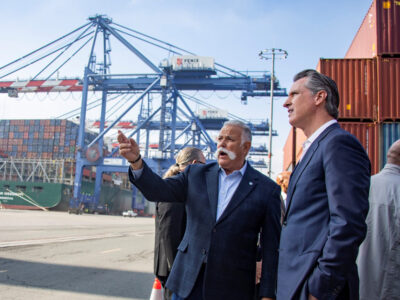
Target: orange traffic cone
x,y
156,292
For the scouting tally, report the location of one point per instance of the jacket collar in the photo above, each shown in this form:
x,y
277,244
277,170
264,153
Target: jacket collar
x,y
300,167
246,185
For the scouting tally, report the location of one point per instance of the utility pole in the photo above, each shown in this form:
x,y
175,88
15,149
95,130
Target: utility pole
x,y
273,54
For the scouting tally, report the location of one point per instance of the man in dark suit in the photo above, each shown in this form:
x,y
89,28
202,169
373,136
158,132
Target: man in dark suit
x,y
227,203
327,199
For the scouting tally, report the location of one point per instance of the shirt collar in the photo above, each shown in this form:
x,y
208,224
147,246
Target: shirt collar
x,y
392,167
316,134
241,171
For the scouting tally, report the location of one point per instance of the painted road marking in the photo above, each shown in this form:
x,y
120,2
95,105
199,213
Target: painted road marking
x,y
68,239
110,251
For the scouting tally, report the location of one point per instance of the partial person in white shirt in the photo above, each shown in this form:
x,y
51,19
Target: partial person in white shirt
x,y
379,256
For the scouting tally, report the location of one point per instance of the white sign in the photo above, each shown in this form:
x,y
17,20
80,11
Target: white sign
x,y
113,161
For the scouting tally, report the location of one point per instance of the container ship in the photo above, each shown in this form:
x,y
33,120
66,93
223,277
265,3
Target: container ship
x,y
37,168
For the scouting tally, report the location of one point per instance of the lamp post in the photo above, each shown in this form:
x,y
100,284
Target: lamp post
x,y
273,54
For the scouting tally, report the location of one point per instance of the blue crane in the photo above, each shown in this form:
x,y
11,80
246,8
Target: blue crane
x,y
170,79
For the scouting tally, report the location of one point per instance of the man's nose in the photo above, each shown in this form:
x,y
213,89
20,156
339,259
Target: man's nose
x,y
286,103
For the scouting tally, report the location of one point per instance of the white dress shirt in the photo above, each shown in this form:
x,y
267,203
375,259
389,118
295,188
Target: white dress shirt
x,y
227,187
313,137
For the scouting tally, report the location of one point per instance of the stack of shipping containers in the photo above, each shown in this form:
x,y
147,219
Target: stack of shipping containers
x,y
368,79
48,139
52,139
45,139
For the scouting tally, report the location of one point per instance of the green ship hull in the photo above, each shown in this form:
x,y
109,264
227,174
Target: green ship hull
x,y
56,196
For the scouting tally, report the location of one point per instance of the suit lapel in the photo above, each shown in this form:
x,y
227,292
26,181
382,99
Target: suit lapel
x,y
246,185
212,189
300,167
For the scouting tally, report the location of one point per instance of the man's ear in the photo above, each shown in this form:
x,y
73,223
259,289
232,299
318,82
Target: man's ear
x,y
320,97
246,147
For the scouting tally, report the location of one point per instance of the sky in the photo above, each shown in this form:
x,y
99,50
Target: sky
x,y
233,32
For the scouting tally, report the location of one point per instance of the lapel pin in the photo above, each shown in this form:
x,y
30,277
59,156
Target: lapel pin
x,y
250,182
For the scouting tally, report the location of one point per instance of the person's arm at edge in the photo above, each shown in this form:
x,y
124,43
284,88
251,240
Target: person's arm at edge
x,y
269,244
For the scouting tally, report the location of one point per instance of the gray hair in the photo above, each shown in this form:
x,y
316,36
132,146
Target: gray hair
x,y
319,82
246,132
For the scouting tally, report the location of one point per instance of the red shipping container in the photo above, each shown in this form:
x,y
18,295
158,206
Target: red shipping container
x,y
367,133
379,33
355,79
369,136
26,135
293,145
388,89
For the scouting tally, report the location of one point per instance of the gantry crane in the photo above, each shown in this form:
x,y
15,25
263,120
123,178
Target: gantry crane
x,y
170,79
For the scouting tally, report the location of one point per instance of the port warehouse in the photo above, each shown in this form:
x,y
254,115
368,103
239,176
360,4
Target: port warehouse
x,y
37,167
368,80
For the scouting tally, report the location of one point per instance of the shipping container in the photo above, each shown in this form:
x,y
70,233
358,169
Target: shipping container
x,y
293,148
40,138
367,133
369,136
379,33
369,89
388,71
390,132
192,63
356,82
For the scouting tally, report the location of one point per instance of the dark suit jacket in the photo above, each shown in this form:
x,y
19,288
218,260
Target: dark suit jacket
x,y
327,203
170,226
229,245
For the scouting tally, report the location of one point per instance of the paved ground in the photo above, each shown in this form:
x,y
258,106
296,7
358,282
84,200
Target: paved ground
x,y
54,255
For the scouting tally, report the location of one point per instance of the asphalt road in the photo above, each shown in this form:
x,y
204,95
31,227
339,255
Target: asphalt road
x,y
54,255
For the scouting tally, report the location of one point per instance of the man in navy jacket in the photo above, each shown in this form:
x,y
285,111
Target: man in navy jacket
x,y
227,204
327,199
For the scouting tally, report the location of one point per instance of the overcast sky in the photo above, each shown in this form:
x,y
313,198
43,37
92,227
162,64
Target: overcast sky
x,y
233,32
